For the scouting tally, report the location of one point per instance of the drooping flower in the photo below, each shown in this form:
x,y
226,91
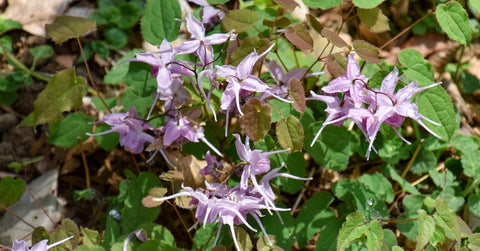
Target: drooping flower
x,y
240,80
199,44
353,84
213,166
131,129
180,128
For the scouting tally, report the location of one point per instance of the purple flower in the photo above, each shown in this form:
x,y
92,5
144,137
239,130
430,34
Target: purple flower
x,y
213,166
131,129
240,80
353,84
180,128
209,14
199,44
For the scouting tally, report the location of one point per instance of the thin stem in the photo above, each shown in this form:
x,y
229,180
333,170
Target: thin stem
x,y
85,164
471,187
20,65
90,76
40,205
410,162
455,77
16,216
407,29
183,223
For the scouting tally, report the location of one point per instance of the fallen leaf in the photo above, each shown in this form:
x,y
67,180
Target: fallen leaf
x,y
34,15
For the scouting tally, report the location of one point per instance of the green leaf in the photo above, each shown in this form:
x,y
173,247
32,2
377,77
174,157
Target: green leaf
x,y
374,19
367,4
140,80
134,213
424,162
469,82
239,20
474,241
366,51
454,21
435,104
470,162
296,166
299,36
116,37
322,4
473,203
6,41
75,126
213,2
11,190
406,186
426,227
464,143
352,229
41,52
63,93
282,232
142,104
8,24
389,238
332,148
158,232
446,218
91,237
108,141
256,119
374,236
328,237
290,133
118,73
314,215
378,184
418,69
158,22
66,27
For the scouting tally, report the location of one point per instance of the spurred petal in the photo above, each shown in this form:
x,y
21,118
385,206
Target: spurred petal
x,y
195,27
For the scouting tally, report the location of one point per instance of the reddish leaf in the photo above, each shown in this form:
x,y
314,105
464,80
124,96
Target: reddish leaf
x,y
336,64
256,119
334,38
287,5
366,51
295,89
298,35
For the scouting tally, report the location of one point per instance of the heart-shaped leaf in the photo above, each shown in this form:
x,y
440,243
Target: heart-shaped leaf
x,y
256,119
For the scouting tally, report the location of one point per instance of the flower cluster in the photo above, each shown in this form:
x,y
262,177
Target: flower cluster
x,y
382,105
227,205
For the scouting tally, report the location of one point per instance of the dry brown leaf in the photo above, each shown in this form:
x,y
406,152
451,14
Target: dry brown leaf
x,y
189,166
35,14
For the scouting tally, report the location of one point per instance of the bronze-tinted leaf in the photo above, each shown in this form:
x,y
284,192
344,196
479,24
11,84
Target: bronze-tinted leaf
x,y
366,51
298,35
247,46
243,239
334,38
290,133
256,119
374,19
156,192
297,93
287,5
313,22
280,22
336,64
239,20
66,27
